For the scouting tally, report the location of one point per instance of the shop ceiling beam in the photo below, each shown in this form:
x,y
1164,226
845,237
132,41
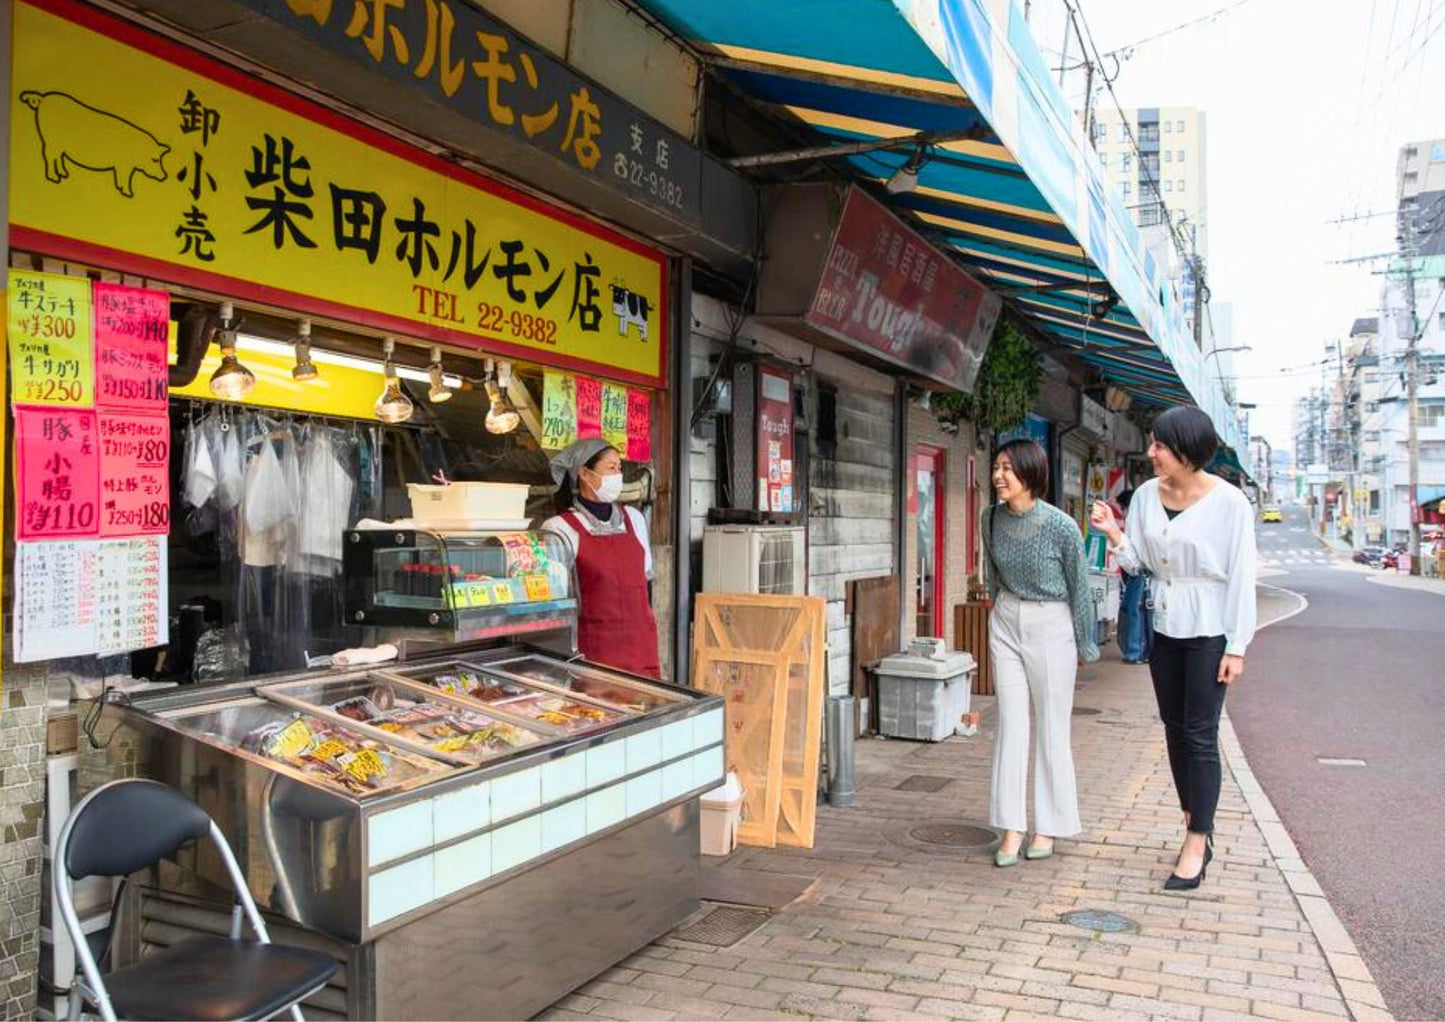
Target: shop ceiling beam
x,y
823,152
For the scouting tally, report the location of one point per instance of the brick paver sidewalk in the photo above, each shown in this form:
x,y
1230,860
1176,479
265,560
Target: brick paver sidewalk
x,y
895,930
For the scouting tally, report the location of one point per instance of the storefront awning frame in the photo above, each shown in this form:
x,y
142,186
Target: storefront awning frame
x,y
1023,204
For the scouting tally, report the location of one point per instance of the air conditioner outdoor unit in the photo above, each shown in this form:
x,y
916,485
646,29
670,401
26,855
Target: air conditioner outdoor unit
x,y
767,559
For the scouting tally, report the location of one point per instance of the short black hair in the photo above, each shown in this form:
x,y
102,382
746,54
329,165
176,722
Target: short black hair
x,y
1030,462
1189,434
1125,498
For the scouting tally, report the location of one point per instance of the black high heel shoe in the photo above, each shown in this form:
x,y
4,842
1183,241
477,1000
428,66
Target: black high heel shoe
x,y
1179,883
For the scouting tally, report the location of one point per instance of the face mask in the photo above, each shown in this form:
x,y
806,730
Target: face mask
x,y
609,488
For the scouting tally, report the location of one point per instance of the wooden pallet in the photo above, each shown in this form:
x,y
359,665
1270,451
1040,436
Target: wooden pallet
x,y
765,656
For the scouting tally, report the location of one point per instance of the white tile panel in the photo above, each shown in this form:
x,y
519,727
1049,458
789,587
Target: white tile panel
x,y
643,750
398,832
564,824
463,864
644,793
516,843
606,807
707,768
399,889
676,739
516,793
563,778
462,811
605,763
676,779
707,729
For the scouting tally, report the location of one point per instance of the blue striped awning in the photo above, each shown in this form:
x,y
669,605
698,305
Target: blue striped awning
x,y
1022,201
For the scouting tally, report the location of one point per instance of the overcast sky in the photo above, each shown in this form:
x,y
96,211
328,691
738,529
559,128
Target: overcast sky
x,y
1308,104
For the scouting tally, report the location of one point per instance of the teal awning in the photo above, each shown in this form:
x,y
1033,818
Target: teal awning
x,y
1023,202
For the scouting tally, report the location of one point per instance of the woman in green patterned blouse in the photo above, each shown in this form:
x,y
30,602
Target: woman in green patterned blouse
x,y
1041,626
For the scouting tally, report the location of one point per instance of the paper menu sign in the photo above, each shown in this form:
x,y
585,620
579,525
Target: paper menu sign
x,y
49,328
614,416
55,600
132,328
81,597
589,408
131,596
57,472
559,410
135,490
639,426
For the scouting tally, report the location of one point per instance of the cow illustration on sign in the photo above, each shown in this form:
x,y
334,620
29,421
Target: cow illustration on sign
x,y
73,132
630,307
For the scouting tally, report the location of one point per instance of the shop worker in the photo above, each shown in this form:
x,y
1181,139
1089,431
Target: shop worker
x,y
614,558
1194,533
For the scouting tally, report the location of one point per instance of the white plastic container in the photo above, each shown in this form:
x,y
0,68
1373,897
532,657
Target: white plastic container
x,y
467,502
923,697
722,812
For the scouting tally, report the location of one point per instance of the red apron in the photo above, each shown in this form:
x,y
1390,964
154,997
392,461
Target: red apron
x,y
615,626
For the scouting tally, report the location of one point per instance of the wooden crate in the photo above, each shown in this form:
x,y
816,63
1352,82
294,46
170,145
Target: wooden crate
x,y
970,627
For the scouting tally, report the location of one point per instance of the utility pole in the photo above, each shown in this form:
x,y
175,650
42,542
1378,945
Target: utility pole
x,y
1408,225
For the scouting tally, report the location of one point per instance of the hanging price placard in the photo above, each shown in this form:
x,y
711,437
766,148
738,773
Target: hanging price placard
x,y
559,410
589,408
639,426
57,470
131,359
614,416
50,340
135,491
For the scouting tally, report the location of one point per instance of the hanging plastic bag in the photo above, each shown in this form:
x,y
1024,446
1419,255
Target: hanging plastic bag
x,y
230,476
200,468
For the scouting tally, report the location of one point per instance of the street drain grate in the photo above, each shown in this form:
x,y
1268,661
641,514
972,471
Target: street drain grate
x,y
954,835
922,782
1099,921
1085,711
724,926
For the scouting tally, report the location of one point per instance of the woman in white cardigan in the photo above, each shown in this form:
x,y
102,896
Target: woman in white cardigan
x,y
1194,533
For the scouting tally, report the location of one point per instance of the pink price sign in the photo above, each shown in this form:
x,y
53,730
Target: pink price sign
x,y
132,327
57,469
135,491
589,408
639,425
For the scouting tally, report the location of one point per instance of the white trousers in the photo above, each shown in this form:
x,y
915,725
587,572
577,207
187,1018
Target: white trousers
x,y
1035,659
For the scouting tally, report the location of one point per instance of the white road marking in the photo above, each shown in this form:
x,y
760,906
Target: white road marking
x,y
1339,761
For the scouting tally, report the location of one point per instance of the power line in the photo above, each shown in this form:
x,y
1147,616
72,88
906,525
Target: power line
x,y
1127,51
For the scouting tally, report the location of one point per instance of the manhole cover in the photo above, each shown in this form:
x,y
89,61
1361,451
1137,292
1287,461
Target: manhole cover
x,y
1099,921
922,782
724,926
954,835
1084,711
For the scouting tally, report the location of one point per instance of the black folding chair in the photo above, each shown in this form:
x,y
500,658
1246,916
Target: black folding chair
x,y
127,825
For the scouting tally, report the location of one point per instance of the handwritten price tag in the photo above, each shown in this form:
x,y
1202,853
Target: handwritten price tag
x,y
57,466
589,408
132,328
614,416
51,360
539,588
135,488
559,410
639,425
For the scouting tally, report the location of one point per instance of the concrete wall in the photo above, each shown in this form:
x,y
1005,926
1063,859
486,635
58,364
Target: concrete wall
x,y
22,821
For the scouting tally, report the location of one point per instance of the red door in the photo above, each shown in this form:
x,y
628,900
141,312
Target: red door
x,y
929,569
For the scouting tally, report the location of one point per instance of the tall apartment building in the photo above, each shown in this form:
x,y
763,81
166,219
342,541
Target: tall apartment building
x,y
1417,276
1154,157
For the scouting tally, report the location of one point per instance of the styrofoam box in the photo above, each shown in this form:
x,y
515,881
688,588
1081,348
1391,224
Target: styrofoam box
x,y
923,698
467,501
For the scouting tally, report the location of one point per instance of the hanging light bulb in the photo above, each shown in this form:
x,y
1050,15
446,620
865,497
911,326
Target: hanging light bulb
x,y
305,369
439,391
393,406
501,416
231,381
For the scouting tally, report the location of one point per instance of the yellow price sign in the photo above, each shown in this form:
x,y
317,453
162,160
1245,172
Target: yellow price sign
x,y
52,356
477,595
539,587
131,152
614,416
502,592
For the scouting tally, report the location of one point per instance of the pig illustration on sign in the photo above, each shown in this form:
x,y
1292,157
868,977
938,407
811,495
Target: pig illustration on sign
x,y
74,133
629,308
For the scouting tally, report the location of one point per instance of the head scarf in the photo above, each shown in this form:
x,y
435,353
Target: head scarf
x,y
566,463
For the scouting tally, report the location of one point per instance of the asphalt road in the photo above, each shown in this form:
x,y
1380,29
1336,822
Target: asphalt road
x,y
1359,675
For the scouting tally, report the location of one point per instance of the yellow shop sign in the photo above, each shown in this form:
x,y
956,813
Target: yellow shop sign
x,y
131,152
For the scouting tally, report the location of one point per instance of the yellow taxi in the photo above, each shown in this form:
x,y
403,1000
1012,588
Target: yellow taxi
x,y
1271,513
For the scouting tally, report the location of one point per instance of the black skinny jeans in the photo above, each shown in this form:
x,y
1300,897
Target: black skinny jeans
x,y
1191,697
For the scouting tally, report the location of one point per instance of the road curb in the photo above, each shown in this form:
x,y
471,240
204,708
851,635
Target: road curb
x,y
1352,976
